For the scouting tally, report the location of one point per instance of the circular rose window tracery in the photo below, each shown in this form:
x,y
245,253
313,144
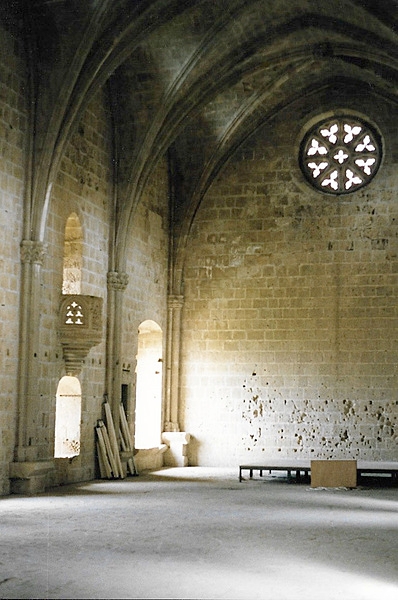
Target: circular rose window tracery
x,y
340,155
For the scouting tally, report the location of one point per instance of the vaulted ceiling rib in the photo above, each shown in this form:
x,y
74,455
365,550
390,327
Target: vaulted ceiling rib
x,y
198,75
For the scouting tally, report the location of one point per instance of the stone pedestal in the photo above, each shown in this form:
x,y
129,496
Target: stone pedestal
x,y
30,477
176,453
150,459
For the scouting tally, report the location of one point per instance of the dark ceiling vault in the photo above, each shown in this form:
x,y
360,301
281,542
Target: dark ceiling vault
x,y
197,77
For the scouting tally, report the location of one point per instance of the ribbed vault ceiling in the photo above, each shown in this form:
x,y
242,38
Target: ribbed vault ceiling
x,y
192,77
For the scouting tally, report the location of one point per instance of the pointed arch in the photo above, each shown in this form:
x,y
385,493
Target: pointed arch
x,y
67,418
148,410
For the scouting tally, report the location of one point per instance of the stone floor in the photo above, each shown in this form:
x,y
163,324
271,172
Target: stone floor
x,y
199,533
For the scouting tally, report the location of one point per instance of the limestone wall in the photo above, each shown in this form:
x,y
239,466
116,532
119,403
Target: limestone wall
x,y
290,317
84,187
13,120
145,297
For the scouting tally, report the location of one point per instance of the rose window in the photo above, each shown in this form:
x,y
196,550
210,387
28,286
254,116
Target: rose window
x,y
340,155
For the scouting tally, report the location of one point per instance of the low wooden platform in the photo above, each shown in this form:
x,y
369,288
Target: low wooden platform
x,y
303,467
298,467
377,468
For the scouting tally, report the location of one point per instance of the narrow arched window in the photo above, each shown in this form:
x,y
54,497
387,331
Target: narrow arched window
x,y
148,411
67,418
73,251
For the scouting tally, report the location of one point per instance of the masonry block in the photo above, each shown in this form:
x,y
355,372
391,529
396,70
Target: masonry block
x,y
177,453
149,459
30,477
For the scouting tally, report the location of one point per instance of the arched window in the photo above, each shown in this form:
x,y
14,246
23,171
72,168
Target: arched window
x,y
148,410
73,250
67,418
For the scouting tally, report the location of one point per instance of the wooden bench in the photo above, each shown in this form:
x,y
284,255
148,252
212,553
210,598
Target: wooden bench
x,y
297,467
377,468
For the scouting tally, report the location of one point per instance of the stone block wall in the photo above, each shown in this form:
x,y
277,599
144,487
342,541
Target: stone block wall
x,y
83,186
13,123
145,297
290,316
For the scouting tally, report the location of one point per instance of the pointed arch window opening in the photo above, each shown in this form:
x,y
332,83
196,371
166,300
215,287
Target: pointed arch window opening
x,y
149,385
67,418
68,398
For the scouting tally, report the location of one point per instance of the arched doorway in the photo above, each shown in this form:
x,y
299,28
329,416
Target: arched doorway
x,y
148,408
67,418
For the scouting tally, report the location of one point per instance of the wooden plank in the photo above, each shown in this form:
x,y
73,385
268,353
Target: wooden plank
x,y
334,473
100,462
105,468
132,467
109,450
125,433
122,442
103,453
113,439
125,428
128,441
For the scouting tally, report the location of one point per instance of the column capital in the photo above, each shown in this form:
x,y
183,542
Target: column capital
x,y
33,252
117,280
170,427
174,301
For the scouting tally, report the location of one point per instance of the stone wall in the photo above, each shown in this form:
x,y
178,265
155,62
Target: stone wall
x,y
289,320
13,123
290,317
83,186
145,297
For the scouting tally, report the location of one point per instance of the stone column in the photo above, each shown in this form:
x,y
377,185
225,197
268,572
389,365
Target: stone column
x,y
175,304
117,283
30,471
32,256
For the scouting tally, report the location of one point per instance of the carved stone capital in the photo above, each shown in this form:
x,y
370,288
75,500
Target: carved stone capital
x,y
170,427
117,280
33,252
174,301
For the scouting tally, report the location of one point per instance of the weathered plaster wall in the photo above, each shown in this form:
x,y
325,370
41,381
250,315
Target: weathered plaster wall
x,y
290,317
147,264
83,186
13,122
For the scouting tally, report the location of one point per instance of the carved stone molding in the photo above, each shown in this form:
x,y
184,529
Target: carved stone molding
x,y
33,252
170,427
117,280
175,301
80,328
